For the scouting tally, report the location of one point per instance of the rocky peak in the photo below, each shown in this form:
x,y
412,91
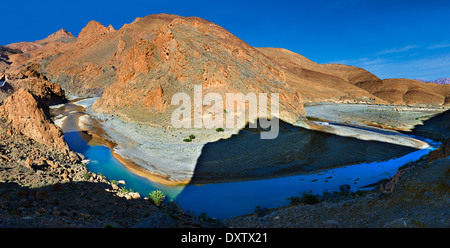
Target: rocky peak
x,y
93,29
61,33
110,28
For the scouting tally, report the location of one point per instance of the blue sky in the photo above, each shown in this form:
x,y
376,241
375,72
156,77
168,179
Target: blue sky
x,y
408,39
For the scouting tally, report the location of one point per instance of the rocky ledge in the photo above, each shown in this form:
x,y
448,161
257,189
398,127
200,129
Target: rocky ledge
x,y
45,187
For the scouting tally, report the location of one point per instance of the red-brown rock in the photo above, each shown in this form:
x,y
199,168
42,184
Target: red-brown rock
x,y
30,117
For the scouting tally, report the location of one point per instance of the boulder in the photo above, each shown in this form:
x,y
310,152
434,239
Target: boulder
x,y
27,115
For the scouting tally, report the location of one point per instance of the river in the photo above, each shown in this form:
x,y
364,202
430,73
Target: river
x,y
229,199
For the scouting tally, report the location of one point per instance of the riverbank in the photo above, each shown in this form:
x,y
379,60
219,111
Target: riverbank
x,y
163,155
160,154
393,117
420,200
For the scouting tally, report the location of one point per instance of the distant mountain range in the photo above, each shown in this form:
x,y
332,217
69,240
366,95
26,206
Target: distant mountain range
x,y
437,81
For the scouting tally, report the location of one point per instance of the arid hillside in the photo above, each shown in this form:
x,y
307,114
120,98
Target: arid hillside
x,y
323,83
138,68
342,83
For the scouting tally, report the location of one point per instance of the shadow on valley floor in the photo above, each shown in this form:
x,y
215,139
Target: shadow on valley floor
x,y
436,128
296,150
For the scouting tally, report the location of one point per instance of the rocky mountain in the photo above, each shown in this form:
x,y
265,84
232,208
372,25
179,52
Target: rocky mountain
x,y
61,36
138,68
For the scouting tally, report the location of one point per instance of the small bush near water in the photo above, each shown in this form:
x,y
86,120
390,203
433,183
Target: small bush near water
x,y
309,199
157,197
305,199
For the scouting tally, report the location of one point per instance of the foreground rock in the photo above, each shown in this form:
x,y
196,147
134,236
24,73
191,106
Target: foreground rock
x,y
30,117
31,79
42,187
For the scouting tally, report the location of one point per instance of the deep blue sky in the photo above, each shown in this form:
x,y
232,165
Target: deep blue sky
x,y
404,38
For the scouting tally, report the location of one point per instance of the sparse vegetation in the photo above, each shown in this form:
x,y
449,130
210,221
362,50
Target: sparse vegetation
x,y
124,190
220,129
191,136
187,140
157,197
309,199
86,176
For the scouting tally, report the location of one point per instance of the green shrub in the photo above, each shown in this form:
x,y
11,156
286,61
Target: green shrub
x,y
191,136
86,176
157,197
187,140
220,129
124,190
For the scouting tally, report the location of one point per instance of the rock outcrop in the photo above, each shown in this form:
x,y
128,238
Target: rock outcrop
x,y
30,117
92,30
30,78
6,55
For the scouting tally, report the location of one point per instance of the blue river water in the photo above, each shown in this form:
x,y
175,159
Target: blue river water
x,y
224,200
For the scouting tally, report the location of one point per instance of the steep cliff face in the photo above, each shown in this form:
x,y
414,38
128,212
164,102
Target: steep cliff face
x,y
30,117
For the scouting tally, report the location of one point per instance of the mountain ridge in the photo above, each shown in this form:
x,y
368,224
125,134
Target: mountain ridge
x,y
138,68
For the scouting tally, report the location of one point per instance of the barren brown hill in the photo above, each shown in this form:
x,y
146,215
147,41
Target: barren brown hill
x,y
323,82
138,68
61,36
401,91
342,83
